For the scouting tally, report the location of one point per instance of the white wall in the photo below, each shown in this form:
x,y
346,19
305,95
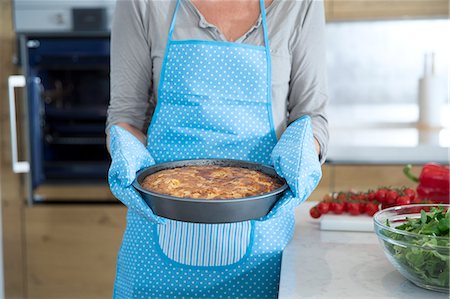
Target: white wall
x,y
380,62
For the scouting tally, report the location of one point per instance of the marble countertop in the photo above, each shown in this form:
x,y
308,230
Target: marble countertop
x,y
332,264
385,134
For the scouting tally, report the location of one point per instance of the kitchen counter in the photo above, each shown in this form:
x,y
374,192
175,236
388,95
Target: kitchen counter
x,y
385,134
331,264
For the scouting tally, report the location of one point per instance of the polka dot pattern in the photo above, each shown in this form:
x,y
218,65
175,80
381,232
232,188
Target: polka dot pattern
x,y
128,157
295,159
213,102
144,271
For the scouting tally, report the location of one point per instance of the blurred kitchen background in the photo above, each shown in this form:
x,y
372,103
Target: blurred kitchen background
x,y
61,226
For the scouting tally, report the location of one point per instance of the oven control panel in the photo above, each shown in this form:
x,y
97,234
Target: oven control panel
x,y
62,16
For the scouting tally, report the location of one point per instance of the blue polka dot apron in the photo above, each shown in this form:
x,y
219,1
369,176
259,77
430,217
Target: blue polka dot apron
x,y
214,101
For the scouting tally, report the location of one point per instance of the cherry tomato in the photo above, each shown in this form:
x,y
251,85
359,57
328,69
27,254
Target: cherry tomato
x,y
353,208
403,200
337,207
323,207
341,196
380,195
314,212
391,197
362,207
410,193
371,196
362,197
345,204
371,208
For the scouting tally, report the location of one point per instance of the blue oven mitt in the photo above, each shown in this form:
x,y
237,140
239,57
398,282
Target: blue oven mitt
x,y
295,159
129,156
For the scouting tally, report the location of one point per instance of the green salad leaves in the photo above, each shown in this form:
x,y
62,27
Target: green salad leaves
x,y
425,257
435,223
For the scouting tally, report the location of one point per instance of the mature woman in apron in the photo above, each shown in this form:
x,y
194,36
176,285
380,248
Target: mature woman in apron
x,y
214,100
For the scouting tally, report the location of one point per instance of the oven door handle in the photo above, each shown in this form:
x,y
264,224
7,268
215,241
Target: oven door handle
x,y
17,166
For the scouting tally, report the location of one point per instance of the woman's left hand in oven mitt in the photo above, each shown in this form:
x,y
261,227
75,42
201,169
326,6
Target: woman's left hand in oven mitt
x,y
129,156
296,160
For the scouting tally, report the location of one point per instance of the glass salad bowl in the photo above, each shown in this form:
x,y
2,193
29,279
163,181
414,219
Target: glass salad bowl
x,y
415,240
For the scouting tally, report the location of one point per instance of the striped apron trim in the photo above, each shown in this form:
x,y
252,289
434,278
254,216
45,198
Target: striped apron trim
x,y
197,244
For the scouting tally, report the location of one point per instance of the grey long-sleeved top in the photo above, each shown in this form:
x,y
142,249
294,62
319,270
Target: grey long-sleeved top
x,y
297,44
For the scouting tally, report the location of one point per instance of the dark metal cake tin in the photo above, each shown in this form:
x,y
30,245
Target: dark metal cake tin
x,y
209,210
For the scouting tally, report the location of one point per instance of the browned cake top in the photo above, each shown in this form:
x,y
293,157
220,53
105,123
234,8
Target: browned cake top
x,y
210,182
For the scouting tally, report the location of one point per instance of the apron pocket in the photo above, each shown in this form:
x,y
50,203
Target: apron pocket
x,y
196,244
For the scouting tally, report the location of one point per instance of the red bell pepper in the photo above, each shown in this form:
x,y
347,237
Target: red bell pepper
x,y
433,182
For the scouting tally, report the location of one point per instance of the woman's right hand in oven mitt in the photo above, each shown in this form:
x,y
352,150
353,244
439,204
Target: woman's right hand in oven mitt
x,y
129,156
295,159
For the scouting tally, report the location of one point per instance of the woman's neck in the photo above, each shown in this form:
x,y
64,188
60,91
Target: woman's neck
x,y
233,17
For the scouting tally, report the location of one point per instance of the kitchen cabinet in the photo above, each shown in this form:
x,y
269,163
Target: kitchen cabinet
x,y
80,193
328,9
364,177
71,250
324,186
341,10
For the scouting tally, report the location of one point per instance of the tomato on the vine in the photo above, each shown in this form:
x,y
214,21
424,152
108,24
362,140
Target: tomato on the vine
x,y
362,207
391,197
353,208
323,207
345,204
314,212
341,196
403,200
371,208
337,207
369,202
380,195
362,197
410,193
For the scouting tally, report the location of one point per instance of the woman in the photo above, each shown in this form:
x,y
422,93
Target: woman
x,y
226,78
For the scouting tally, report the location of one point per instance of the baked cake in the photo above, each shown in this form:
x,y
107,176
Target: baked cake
x,y
210,182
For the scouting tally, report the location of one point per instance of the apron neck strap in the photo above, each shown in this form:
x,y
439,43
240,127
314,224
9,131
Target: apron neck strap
x,y
263,21
174,19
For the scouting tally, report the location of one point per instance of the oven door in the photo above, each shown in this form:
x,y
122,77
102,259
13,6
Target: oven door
x,y
68,96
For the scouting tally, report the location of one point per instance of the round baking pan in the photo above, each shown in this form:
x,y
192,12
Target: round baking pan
x,y
210,210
